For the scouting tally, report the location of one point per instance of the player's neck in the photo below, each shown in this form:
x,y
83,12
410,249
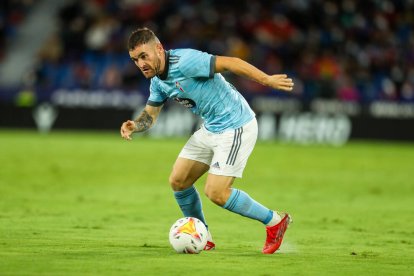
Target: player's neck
x,y
163,72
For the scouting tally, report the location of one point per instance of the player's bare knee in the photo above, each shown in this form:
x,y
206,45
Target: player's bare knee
x,y
216,196
177,183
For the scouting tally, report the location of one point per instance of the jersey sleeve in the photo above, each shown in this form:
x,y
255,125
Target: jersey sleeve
x,y
195,64
157,96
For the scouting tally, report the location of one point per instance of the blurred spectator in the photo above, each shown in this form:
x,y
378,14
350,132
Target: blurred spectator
x,y
407,92
12,13
346,89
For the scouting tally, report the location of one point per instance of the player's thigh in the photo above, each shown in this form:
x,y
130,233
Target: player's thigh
x,y
186,172
217,188
198,147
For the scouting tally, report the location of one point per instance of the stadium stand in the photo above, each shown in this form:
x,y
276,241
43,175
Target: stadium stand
x,y
356,51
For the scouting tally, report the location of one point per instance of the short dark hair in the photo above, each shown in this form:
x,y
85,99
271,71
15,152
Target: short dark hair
x,y
141,36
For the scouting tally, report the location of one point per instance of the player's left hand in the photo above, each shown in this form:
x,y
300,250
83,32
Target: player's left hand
x,y
281,82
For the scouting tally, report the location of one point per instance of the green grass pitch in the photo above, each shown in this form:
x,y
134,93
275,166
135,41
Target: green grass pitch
x,y
92,204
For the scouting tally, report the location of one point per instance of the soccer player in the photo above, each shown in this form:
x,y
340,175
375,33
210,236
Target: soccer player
x,y
226,138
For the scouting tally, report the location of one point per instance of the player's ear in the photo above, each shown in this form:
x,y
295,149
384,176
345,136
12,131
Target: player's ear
x,y
159,48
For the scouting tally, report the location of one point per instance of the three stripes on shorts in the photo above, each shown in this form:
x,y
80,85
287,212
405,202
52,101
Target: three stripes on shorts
x,y
231,159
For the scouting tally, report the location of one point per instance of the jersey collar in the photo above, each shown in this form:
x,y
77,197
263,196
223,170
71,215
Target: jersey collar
x,y
164,74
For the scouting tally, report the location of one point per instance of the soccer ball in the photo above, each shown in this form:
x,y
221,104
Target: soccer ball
x,y
188,235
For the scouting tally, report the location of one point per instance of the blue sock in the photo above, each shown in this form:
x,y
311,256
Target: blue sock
x,y
190,203
241,203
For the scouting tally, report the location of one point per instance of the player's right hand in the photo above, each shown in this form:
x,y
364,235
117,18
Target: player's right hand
x,y
127,129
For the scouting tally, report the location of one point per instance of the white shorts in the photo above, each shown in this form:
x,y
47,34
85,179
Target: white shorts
x,y
226,153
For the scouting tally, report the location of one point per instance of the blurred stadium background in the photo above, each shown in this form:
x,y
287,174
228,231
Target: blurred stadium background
x,y
83,202
64,64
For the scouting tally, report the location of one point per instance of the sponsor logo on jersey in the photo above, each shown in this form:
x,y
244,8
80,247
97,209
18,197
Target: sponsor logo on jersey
x,y
189,103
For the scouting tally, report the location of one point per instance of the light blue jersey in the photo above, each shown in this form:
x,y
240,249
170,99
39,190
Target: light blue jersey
x,y
189,79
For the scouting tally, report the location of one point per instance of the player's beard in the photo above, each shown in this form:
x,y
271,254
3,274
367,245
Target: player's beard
x,y
156,68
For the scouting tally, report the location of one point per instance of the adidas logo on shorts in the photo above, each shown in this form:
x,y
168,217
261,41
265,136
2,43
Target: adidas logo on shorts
x,y
216,165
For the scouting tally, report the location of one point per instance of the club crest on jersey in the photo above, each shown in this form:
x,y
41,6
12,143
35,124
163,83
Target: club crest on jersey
x,y
189,103
178,85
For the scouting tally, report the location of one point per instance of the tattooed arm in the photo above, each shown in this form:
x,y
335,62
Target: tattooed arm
x,y
143,122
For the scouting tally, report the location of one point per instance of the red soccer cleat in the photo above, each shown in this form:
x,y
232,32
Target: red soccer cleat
x,y
275,235
210,244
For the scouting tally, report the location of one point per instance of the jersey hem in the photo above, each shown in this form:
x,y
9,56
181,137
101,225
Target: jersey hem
x,y
229,128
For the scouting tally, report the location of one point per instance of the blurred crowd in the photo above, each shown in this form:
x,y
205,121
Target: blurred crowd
x,y
350,50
